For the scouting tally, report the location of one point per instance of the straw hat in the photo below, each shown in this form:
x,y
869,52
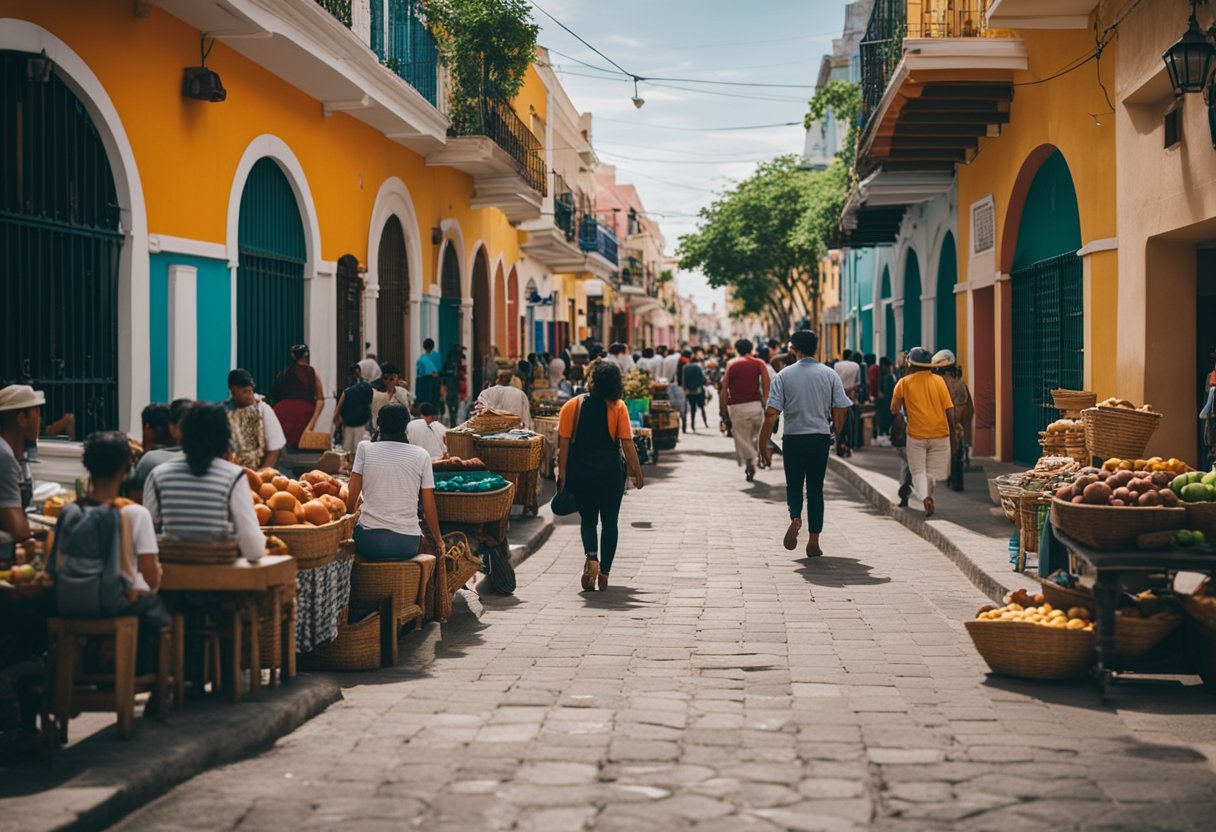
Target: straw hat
x,y
944,358
920,357
20,397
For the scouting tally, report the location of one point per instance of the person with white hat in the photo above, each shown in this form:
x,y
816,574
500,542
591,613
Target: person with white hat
x,y
964,412
926,401
20,423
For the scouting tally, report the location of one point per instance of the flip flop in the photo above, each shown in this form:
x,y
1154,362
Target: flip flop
x,y
928,507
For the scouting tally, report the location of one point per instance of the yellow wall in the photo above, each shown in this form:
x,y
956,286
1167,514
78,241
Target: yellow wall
x,y
533,97
187,151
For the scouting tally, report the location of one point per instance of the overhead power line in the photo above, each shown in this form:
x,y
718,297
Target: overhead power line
x,y
629,76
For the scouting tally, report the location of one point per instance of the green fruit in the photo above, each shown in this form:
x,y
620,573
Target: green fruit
x,y
1194,476
1178,483
1183,538
1195,492
1198,539
1209,478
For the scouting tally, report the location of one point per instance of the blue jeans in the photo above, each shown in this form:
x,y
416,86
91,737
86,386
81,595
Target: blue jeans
x,y
385,545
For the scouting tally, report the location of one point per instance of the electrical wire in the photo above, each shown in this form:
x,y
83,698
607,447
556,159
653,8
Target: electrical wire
x,y
684,161
579,38
612,75
699,129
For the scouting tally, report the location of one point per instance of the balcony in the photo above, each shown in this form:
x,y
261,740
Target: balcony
x,y
327,50
553,240
935,79
506,160
1041,14
563,208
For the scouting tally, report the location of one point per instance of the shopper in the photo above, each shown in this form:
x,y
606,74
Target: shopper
x,y
298,396
354,412
744,392
427,432
595,451
693,381
1208,416
389,389
882,395
427,370
850,375
964,413
393,477
925,400
256,435
154,421
619,355
806,392
505,397
151,459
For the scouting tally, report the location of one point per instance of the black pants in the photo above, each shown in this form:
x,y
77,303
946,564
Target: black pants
x,y
806,461
599,505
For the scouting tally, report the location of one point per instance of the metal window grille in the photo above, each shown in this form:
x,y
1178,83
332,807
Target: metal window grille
x,y
393,305
350,314
270,274
1048,344
60,245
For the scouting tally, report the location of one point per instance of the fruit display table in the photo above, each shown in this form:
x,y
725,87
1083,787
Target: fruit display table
x,y
1106,573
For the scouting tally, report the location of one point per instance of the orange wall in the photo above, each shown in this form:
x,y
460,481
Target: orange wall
x,y
187,151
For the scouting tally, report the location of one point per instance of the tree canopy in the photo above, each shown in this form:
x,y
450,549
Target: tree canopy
x,y
487,44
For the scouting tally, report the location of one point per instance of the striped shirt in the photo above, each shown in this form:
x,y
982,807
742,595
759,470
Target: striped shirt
x,y
215,506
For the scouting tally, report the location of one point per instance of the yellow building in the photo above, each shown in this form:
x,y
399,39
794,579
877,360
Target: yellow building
x,y
326,199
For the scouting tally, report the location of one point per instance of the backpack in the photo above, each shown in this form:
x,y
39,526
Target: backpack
x,y
91,542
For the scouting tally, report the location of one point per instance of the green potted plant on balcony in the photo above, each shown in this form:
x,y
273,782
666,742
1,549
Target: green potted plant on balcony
x,y
487,46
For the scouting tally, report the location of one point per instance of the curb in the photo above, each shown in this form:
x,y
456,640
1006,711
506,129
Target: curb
x,y
539,530
954,541
104,779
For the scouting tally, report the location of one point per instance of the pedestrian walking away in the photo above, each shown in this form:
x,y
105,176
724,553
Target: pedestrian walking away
x,y
849,372
694,389
744,392
595,452
964,413
811,397
925,399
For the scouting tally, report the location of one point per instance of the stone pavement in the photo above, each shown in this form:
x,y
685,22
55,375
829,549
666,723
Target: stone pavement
x,y
721,683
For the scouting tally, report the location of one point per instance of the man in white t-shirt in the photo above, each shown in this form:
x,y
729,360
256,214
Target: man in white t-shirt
x,y
849,371
391,476
670,368
427,433
502,396
850,374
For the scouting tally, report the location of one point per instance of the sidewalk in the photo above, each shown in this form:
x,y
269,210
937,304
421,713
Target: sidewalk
x,y
967,526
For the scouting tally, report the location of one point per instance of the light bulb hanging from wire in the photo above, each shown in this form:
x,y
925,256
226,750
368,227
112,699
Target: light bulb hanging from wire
x,y
638,101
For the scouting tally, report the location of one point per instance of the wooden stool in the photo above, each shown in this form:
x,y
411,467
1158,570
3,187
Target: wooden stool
x,y
77,691
373,581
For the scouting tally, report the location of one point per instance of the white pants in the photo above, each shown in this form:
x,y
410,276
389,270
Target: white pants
x,y
746,420
929,461
351,437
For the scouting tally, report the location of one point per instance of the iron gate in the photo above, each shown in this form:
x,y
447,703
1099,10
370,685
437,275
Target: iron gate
x,y
393,305
270,277
1048,344
60,243
450,334
350,314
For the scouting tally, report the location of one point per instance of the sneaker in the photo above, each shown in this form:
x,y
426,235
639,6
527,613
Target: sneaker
x,y
603,581
591,571
791,534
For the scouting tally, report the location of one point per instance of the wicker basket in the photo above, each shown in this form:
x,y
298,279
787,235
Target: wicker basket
x,y
357,646
1118,432
1009,487
665,439
400,580
482,507
492,421
461,443
511,456
308,543
1135,636
1201,517
189,551
315,440
461,564
1112,527
1029,651
1064,597
1073,401
1032,515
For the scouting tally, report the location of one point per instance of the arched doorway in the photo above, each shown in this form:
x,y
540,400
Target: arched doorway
x,y
270,274
502,336
482,322
350,315
514,320
393,304
945,317
449,302
60,227
912,311
888,321
1048,303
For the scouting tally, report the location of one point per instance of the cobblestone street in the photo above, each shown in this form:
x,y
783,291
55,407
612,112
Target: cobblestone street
x,y
721,683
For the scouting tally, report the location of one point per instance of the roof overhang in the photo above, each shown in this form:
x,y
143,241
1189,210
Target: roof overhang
x,y
875,208
548,244
497,182
1040,14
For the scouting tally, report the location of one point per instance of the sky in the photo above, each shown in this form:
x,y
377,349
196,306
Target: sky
x,y
677,171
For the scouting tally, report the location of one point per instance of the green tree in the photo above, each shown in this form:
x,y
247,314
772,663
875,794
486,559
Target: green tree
x,y
764,239
486,44
843,100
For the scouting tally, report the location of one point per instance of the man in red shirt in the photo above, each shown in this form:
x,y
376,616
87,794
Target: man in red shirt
x,y
744,392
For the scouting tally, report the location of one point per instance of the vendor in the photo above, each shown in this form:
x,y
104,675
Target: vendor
x,y
389,388
298,396
200,496
502,396
426,431
393,476
257,436
20,420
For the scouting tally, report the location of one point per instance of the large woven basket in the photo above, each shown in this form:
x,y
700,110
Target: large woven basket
x,y
1112,527
1029,651
315,440
1135,636
510,456
1009,487
461,443
483,507
1073,401
492,421
1065,598
1118,432
1033,508
198,552
1201,517
308,543
357,646
461,564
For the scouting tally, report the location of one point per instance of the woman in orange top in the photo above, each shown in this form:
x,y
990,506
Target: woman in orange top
x,y
595,446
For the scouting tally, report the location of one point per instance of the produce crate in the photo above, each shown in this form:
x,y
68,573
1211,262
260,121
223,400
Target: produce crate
x,y
309,543
357,647
510,456
1112,527
665,439
476,507
1118,432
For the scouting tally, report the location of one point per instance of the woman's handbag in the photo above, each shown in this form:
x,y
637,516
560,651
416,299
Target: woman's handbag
x,y
564,503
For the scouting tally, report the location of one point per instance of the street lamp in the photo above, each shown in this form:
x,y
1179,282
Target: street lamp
x,y
1189,61
638,101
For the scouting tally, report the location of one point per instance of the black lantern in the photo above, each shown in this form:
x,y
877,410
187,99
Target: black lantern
x,y
1189,61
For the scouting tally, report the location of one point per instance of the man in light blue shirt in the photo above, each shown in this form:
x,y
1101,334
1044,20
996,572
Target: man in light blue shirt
x,y
811,397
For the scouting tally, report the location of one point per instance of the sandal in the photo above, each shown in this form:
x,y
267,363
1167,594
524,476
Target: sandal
x,y
928,507
791,534
603,581
591,571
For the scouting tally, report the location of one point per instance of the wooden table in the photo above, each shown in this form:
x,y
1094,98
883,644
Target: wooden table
x,y
248,583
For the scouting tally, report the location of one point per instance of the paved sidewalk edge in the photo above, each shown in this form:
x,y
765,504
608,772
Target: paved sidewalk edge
x,y
537,535
162,756
954,541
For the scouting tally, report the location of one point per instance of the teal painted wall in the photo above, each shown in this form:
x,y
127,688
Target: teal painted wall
x,y
1051,223
214,304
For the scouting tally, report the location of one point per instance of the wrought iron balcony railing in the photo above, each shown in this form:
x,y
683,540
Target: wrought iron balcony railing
x,y
594,237
498,122
396,31
892,21
563,207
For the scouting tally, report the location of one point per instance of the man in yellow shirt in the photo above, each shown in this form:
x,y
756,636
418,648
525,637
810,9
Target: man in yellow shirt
x,y
931,432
